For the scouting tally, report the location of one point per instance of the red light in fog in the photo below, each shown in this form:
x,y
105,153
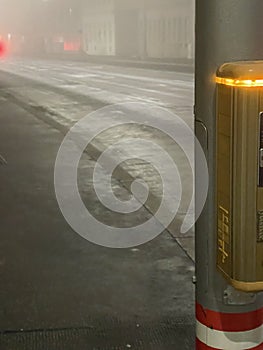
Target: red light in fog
x,y
71,46
3,48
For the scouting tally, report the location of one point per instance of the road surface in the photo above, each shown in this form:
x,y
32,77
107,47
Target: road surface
x,y
58,290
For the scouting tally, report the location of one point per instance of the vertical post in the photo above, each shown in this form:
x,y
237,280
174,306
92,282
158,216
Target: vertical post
x,y
226,31
143,34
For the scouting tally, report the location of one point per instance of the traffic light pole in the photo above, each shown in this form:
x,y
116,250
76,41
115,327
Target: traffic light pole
x,y
226,31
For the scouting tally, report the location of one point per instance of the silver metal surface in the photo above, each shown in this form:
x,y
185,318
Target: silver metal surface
x,y
2,160
226,30
235,297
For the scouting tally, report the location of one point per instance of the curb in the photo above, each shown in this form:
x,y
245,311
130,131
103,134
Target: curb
x,y
179,66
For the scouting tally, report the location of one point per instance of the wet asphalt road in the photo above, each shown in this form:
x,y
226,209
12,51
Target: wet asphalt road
x,y
58,291
62,93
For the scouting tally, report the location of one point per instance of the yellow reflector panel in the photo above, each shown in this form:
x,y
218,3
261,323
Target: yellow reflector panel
x,y
239,83
241,74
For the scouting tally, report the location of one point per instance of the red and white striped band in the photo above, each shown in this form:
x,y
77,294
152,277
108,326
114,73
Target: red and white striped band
x,y
224,331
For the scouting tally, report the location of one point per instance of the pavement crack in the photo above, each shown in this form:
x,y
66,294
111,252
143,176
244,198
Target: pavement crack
x,y
44,330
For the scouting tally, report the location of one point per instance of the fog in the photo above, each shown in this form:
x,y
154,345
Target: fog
x,y
161,29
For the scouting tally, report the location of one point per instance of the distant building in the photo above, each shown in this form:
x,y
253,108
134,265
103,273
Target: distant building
x,y
130,28
99,27
170,28
160,29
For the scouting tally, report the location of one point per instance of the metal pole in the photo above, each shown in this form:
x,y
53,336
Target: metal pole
x,y
226,30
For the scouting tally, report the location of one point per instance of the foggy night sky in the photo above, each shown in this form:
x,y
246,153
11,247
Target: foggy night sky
x,y
18,16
